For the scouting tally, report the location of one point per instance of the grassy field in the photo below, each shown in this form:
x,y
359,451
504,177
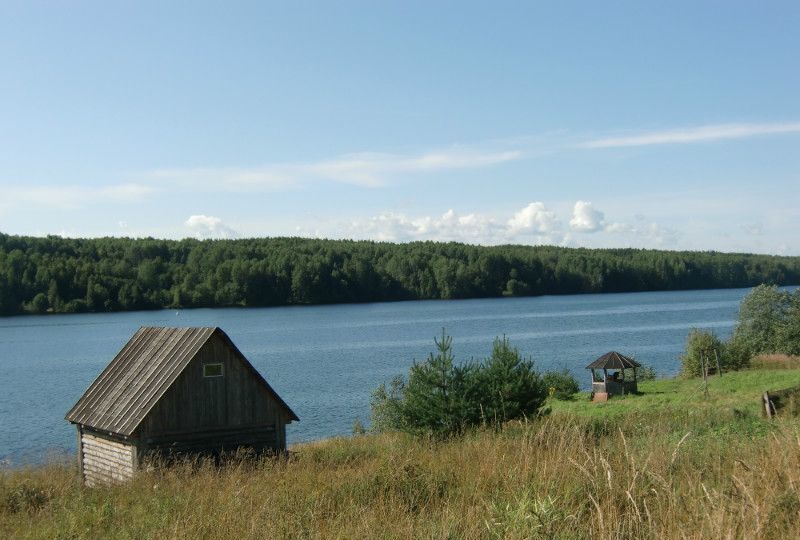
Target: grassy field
x,y
733,391
664,464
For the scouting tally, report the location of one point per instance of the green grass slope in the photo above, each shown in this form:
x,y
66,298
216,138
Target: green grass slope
x,y
737,390
665,464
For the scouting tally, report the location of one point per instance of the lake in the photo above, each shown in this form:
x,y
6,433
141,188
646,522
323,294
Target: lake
x,y
325,360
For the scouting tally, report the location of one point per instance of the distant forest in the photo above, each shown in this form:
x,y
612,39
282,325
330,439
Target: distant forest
x,y
62,275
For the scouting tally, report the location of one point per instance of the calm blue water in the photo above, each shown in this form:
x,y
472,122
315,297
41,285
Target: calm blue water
x,y
325,360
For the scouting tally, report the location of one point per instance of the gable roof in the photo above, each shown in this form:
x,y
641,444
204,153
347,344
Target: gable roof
x,y
614,360
142,372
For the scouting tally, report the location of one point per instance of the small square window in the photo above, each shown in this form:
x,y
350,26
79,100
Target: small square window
x,y
212,370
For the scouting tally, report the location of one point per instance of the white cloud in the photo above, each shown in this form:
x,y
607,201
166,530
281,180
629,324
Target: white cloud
x,y
203,226
395,227
533,224
534,218
585,218
694,134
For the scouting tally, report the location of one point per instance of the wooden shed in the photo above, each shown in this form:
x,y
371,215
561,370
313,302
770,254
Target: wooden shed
x,y
174,390
614,383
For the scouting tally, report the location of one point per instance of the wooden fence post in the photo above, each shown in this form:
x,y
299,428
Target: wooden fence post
x,y
769,408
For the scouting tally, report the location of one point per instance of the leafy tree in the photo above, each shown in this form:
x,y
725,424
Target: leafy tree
x,y
39,304
762,315
106,274
769,322
789,332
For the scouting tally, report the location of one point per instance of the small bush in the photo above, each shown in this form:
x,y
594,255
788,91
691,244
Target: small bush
x,y
701,346
561,384
358,427
24,498
646,373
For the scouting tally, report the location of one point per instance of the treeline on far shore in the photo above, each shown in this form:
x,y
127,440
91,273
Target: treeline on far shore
x,y
64,275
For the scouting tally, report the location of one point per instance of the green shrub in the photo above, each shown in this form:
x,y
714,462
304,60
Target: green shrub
x,y
24,497
561,384
506,386
769,323
441,397
646,373
701,345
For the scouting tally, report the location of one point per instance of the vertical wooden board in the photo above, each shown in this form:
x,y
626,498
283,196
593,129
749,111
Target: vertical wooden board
x,y
238,399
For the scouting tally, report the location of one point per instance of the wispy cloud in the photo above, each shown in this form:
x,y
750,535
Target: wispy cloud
x,y
375,169
225,178
74,197
366,169
371,169
694,134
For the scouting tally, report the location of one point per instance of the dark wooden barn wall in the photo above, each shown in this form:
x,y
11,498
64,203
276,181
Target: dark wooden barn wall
x,y
207,412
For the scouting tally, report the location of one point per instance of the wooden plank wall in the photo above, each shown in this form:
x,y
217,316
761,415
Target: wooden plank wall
x,y
196,406
263,438
105,461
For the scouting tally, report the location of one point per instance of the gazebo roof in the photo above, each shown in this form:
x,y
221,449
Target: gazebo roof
x,y
614,360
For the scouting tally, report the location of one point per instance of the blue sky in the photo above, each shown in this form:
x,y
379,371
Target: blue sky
x,y
672,126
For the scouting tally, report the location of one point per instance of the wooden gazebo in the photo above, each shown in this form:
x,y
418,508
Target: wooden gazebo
x,y
614,383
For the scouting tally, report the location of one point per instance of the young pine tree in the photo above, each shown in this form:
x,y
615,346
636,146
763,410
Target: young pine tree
x,y
434,397
510,386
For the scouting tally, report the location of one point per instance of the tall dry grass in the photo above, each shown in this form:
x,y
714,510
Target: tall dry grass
x,y
775,361
701,475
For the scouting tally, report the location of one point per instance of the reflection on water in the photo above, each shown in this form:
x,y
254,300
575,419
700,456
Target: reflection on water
x,y
325,360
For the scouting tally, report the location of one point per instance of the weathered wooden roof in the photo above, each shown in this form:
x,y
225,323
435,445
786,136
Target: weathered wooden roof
x,y
141,373
614,360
